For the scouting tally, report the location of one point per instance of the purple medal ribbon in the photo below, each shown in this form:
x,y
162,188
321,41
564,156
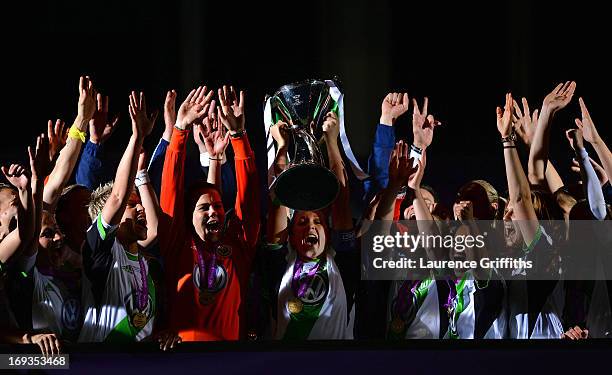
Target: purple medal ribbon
x,y
143,294
452,286
208,272
402,302
297,271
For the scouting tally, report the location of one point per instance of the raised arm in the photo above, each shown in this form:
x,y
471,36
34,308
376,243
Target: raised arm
x,y
591,135
142,124
93,170
212,139
341,210
277,214
400,169
148,199
76,137
591,185
538,152
524,123
19,177
172,194
156,165
231,115
519,192
393,106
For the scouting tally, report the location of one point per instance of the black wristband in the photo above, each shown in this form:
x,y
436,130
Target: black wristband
x,y
416,149
238,134
510,138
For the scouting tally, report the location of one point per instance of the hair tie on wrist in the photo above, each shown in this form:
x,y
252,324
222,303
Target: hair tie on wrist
x,y
75,133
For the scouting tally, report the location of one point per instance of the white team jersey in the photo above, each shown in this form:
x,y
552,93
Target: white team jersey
x,y
54,307
117,317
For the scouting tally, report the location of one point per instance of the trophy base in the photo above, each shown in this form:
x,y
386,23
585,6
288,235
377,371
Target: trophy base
x,y
306,187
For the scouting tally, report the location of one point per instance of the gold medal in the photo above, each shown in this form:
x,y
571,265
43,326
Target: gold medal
x,y
224,251
206,297
295,306
139,320
397,325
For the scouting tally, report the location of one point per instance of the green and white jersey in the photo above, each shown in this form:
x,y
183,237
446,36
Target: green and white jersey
x,y
414,310
321,313
123,306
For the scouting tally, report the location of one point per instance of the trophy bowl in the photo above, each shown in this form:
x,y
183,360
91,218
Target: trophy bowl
x,y
306,184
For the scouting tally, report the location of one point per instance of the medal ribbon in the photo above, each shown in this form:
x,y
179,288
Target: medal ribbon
x,y
299,287
454,303
207,271
143,293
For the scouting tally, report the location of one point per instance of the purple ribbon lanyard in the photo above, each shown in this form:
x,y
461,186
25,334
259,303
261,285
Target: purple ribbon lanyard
x,y
402,301
143,293
297,271
208,272
452,293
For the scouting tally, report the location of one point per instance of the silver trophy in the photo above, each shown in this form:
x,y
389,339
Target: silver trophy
x,y
306,184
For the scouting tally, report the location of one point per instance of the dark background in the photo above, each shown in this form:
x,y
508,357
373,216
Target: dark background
x,y
463,55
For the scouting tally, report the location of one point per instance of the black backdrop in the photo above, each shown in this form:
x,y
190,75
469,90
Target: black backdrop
x,y
463,55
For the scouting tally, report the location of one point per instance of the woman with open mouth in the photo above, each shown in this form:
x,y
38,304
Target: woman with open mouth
x,y
311,270
207,253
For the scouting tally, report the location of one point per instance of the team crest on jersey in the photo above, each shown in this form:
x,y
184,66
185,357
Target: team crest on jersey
x,y
71,314
317,290
219,279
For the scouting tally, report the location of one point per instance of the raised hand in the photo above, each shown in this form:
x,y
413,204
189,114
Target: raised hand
x,y
280,133
87,100
231,113
169,114
57,137
423,125
575,138
40,165
17,176
142,123
330,126
393,106
214,137
100,129
524,123
586,125
400,165
559,97
194,107
504,118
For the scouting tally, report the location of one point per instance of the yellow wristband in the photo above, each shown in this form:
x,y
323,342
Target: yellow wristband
x,y
75,133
